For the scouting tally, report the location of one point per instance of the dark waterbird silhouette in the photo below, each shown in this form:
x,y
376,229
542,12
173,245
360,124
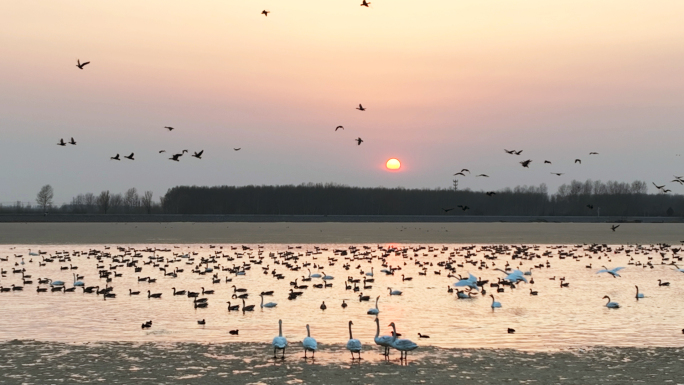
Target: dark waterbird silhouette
x,y
365,4
658,187
613,227
459,173
465,170
557,173
175,157
358,141
518,152
169,128
72,141
463,207
578,161
265,12
547,161
237,149
130,156
61,143
198,155
338,127
483,175
490,193
81,65
361,108
512,152
160,151
115,157
447,210
593,153
526,163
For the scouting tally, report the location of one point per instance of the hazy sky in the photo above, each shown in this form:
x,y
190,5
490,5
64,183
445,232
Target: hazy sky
x,y
447,85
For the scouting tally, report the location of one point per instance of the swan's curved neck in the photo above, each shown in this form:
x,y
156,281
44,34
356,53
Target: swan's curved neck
x,y
262,301
308,332
376,302
394,329
280,329
350,332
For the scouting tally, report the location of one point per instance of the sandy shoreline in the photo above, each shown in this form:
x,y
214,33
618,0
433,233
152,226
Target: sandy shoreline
x,y
30,362
337,233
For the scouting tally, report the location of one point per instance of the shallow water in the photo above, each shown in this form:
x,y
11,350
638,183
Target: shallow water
x,y
557,318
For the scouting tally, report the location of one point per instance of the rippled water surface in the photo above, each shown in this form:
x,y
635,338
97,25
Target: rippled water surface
x,y
557,318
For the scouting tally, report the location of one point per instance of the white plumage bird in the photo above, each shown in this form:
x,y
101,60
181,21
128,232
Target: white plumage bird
x,y
353,345
404,346
383,341
394,292
611,305
309,343
280,342
375,310
613,272
268,304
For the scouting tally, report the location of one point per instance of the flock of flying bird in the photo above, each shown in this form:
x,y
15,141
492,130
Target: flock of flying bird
x,y
239,261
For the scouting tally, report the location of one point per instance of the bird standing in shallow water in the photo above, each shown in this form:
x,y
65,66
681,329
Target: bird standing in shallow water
x,y
353,345
279,342
309,343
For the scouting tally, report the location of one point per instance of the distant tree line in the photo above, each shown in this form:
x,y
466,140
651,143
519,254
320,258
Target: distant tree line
x,y
574,199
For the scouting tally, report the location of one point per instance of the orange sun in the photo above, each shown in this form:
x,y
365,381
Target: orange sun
x,y
393,164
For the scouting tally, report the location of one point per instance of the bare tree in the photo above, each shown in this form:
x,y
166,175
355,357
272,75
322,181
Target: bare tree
x,y
44,197
90,202
103,200
454,184
115,202
131,199
147,201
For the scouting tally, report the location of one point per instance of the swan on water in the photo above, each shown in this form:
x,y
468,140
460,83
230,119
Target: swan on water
x,y
470,282
268,304
375,310
611,305
638,295
313,275
394,292
613,272
495,304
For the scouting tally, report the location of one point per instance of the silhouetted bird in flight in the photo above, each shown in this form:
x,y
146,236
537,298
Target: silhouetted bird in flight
x,y
237,149
578,161
658,187
265,12
81,65
466,170
72,141
463,207
169,128
666,190
447,210
512,152
613,227
338,127
160,151
526,163
130,156
483,175
518,152
61,142
459,173
547,161
557,173
361,108
490,193
678,181
593,153
358,141
175,157
198,155
115,157
590,207
365,4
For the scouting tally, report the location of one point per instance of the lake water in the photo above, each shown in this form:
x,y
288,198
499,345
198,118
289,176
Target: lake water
x,y
556,318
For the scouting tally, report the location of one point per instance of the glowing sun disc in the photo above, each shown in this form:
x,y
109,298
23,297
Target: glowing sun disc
x,y
393,164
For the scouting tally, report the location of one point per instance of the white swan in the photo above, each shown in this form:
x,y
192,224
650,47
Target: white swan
x,y
495,304
470,282
514,276
280,342
56,283
269,304
394,292
353,345
383,341
375,310
611,305
371,272
403,345
33,254
309,343
462,294
638,295
78,283
313,275
612,272
327,277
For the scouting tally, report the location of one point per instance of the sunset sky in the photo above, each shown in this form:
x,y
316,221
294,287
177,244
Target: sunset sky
x,y
447,85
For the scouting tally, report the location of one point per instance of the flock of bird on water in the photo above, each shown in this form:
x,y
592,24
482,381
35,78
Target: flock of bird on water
x,y
112,264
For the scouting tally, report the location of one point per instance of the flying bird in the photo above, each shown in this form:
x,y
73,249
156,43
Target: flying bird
x,y
81,65
169,128
590,207
175,157
459,173
265,12
557,173
526,163
578,161
115,157
338,127
72,141
198,155
509,151
129,157
463,207
359,141
365,4
447,210
483,175
613,227
160,151
61,143
490,193
593,153
361,108
466,170
518,152
658,187
547,161
237,149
